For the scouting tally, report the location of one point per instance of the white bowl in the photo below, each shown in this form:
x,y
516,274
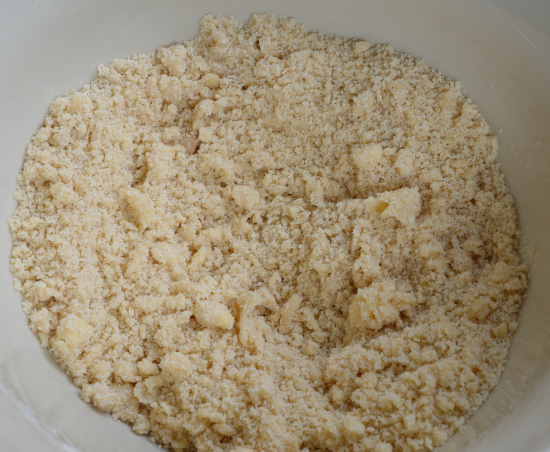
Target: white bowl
x,y
498,49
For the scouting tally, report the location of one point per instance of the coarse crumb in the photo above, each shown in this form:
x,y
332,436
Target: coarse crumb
x,y
267,239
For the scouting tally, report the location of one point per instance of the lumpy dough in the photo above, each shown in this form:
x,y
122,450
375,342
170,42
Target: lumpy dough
x,y
266,239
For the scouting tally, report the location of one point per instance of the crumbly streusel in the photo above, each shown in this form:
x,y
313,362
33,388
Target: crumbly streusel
x,y
267,239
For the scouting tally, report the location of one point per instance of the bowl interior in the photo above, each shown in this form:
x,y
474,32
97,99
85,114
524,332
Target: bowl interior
x,y
498,49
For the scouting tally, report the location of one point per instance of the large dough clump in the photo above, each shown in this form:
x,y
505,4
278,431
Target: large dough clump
x,y
266,239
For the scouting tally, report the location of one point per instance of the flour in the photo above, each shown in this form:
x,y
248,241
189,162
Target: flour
x,y
267,239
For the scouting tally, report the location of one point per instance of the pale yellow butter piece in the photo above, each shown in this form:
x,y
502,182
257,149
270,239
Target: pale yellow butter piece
x,y
63,194
288,311
176,364
246,197
366,157
378,305
404,204
211,80
74,331
213,314
140,206
353,427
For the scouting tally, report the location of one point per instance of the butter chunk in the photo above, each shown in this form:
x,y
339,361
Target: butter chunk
x,y
212,314
199,258
211,80
378,305
63,194
403,204
147,367
74,331
368,156
353,427
246,197
140,206
289,311
176,364
404,163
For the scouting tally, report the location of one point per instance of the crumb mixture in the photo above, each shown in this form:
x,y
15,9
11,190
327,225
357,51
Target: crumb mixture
x,y
266,239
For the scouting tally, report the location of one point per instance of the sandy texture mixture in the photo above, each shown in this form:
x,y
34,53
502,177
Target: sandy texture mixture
x,y
266,239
